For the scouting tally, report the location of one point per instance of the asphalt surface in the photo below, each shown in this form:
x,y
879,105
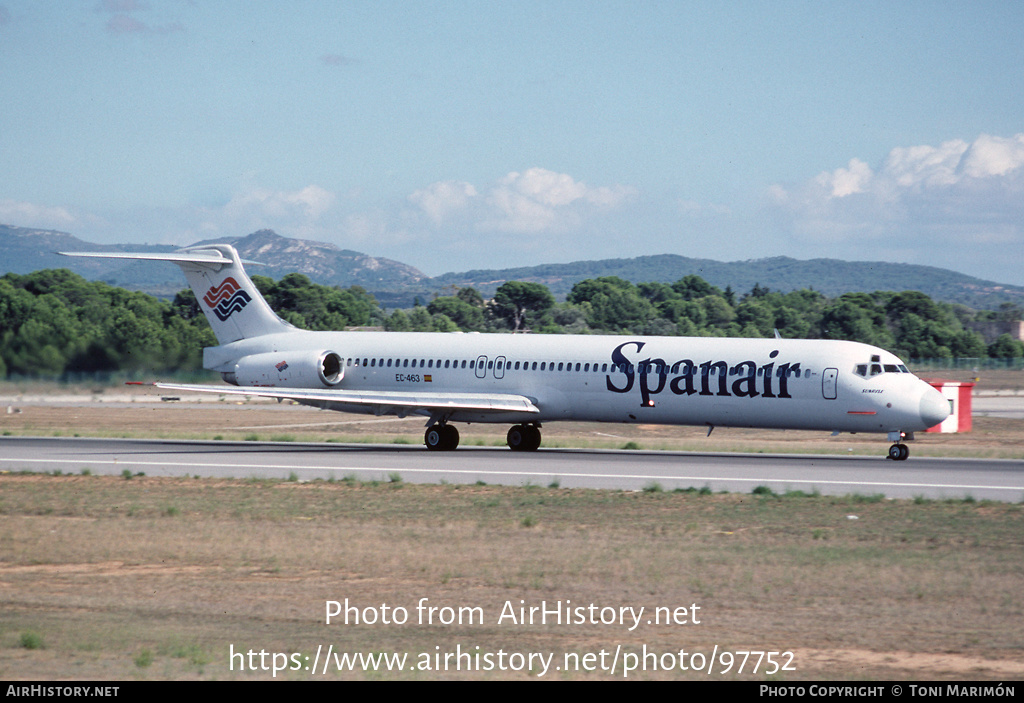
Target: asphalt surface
x,y
937,478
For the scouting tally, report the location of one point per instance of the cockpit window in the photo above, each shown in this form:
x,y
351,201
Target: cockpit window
x,y
875,368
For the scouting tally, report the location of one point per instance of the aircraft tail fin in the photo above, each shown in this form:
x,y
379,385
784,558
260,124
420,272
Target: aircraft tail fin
x,y
227,296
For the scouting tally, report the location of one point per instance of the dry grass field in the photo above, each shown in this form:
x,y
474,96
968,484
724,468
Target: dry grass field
x,y
156,578
153,578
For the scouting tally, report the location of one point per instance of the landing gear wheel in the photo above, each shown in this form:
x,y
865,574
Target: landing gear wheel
x,y
451,437
523,438
534,434
441,437
899,452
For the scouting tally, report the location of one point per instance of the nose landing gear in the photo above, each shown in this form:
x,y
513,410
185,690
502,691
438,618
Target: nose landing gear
x,y
898,452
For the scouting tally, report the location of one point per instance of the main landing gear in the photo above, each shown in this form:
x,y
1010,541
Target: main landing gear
x,y
444,437
441,437
523,438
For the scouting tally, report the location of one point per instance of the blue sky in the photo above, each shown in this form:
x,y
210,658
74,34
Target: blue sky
x,y
458,135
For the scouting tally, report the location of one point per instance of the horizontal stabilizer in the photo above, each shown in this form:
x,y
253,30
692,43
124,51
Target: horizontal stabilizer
x,y
206,256
225,293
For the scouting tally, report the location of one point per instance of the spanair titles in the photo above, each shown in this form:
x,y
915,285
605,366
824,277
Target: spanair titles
x,y
744,379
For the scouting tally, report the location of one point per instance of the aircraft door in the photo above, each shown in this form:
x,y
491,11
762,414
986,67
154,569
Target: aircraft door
x,y
829,383
481,366
499,367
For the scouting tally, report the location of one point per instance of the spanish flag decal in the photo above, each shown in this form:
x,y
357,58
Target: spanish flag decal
x,y
427,378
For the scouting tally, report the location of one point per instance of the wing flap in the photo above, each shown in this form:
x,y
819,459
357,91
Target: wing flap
x,y
392,400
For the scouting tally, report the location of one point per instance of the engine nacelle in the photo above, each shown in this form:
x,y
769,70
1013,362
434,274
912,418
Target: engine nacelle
x,y
295,369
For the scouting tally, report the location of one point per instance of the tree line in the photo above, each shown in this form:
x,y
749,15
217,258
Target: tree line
x,y
55,322
908,323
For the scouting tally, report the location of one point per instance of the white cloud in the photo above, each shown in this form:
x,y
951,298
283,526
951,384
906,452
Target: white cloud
x,y
956,202
534,201
846,181
309,203
304,213
993,156
443,198
33,215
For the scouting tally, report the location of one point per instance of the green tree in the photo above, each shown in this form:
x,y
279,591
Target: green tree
x,y
1006,347
693,287
466,316
521,303
615,305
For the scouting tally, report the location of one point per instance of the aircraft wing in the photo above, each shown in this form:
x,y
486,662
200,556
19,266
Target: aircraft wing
x,y
398,402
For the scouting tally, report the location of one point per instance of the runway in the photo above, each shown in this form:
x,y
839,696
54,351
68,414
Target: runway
x,y
981,479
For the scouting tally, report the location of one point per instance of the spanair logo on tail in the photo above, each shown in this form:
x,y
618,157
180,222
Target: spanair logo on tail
x,y
226,299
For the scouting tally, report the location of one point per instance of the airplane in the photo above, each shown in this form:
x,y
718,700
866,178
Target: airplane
x,y
527,380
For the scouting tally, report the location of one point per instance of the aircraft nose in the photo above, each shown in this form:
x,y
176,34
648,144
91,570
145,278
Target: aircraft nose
x,y
934,407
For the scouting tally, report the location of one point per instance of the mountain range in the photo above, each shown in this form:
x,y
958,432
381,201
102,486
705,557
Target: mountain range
x,y
396,284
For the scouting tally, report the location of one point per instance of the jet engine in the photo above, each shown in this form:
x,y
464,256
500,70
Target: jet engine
x,y
294,369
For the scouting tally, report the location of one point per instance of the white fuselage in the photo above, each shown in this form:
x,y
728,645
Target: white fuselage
x,y
774,383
